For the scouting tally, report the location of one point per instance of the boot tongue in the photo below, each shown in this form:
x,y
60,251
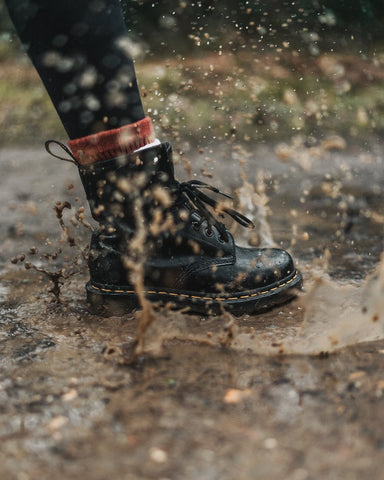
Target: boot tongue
x,y
160,157
165,160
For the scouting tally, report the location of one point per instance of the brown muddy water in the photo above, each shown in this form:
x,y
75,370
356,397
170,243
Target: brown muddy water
x,y
295,393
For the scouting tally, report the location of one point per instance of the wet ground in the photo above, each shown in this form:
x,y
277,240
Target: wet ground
x,y
295,393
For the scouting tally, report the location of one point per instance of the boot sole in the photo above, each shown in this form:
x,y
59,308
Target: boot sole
x,y
113,300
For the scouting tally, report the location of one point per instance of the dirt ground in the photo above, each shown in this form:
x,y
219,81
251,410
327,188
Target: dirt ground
x,y
283,395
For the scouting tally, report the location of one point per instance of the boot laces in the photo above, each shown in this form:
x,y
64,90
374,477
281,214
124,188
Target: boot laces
x,y
191,193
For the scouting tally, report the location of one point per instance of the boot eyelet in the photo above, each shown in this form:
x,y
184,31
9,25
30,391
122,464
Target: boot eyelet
x,y
196,226
208,232
221,239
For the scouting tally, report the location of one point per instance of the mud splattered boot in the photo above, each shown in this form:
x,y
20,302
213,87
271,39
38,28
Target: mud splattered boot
x,y
189,259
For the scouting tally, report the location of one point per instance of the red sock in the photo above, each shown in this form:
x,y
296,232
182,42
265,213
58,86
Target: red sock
x,y
112,143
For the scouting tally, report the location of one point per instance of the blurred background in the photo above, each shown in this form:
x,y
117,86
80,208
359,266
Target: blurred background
x,y
282,103
249,70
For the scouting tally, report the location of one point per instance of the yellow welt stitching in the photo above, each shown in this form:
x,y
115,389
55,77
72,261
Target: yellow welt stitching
x,y
219,299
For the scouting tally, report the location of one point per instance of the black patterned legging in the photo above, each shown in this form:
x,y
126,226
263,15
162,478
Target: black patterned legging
x,y
80,49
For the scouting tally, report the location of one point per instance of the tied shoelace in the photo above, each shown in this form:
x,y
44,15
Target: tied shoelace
x,y
191,193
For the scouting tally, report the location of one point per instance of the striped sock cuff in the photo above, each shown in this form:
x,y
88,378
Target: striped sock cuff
x,y
112,143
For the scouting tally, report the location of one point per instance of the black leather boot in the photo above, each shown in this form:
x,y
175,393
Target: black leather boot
x,y
190,258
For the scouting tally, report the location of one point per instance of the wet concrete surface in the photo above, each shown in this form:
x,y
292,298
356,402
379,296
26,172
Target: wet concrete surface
x,y
212,398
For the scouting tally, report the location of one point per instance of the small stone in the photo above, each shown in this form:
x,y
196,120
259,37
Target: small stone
x,y
270,443
334,142
380,385
356,375
70,395
283,152
233,395
158,455
57,422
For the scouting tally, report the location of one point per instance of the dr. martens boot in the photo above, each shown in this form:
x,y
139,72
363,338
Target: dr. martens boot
x,y
189,258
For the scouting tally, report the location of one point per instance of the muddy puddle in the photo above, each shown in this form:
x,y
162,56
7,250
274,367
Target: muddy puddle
x,y
295,393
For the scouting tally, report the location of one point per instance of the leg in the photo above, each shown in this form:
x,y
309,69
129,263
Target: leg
x,y
80,50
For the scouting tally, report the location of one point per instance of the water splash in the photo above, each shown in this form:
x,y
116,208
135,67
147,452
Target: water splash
x,y
329,317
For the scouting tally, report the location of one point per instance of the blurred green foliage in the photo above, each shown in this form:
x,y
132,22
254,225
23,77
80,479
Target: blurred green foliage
x,y
211,23
265,69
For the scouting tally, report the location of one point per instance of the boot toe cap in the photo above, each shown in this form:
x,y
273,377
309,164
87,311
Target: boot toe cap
x,y
263,267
